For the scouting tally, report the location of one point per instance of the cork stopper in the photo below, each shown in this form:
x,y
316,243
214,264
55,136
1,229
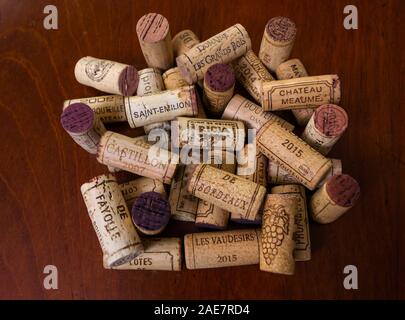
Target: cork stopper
x,y
151,212
128,81
331,120
219,77
343,190
194,100
281,29
77,118
152,28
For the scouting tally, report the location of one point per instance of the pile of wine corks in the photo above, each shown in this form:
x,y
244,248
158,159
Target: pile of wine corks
x,y
217,152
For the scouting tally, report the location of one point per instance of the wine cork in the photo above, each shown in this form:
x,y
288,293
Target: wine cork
x,y
221,48
111,220
255,166
131,190
290,69
161,106
301,236
161,254
294,68
250,72
277,42
184,41
334,170
252,168
252,115
325,127
107,108
298,93
243,198
155,40
107,76
219,83
114,170
208,133
277,238
136,156
334,198
292,154
151,213
183,203
277,175
83,125
221,249
150,81
173,79
209,215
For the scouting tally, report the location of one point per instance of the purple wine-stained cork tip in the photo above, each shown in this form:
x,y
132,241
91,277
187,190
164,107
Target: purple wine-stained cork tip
x,y
151,211
343,190
281,29
152,28
128,81
77,118
219,77
331,120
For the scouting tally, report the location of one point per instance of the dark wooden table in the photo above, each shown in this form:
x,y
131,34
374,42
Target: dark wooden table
x,y
43,218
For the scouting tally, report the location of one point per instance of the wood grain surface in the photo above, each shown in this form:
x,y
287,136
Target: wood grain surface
x,y
43,218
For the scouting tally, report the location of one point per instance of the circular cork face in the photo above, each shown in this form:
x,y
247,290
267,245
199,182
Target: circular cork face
x,y
219,77
343,190
152,28
77,118
331,120
128,81
281,29
151,211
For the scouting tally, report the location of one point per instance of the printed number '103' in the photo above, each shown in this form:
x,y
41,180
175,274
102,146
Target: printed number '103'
x,y
292,148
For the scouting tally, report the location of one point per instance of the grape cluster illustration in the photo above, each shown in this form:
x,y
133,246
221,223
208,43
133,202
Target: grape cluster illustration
x,y
276,221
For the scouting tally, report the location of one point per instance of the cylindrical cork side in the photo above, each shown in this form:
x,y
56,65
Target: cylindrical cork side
x,y
101,146
117,236
151,212
195,171
221,248
277,239
331,120
219,77
152,28
343,190
194,100
232,107
173,79
184,41
281,29
292,68
185,72
77,118
232,43
128,81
